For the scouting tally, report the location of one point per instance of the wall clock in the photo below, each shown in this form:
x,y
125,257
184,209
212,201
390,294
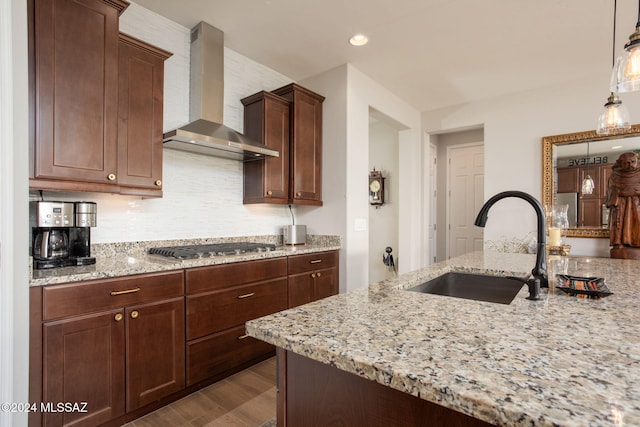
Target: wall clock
x,y
376,188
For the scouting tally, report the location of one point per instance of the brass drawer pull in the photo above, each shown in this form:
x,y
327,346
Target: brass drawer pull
x,y
134,314
315,261
111,177
246,295
269,193
128,291
158,183
118,317
241,337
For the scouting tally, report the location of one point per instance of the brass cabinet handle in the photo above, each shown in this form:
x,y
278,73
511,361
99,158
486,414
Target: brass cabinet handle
x,y
318,274
313,275
118,317
128,291
111,177
158,183
134,314
246,295
315,261
299,194
269,193
241,337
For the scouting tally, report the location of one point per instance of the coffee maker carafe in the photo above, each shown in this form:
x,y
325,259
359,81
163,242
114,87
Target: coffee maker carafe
x,y
61,233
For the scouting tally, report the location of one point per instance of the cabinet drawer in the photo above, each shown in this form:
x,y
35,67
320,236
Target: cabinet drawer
x,y
309,262
217,277
86,297
215,311
215,354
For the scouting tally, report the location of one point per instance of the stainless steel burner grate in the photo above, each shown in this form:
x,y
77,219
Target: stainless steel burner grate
x,y
209,250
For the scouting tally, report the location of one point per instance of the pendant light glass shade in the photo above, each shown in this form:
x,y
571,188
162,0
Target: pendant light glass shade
x,y
626,71
614,117
587,185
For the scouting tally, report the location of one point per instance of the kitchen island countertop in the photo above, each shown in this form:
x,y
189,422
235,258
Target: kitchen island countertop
x,y
561,361
130,258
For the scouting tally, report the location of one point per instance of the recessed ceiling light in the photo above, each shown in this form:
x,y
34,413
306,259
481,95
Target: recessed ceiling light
x,y
359,40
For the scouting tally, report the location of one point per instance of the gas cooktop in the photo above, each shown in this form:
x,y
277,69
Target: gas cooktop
x,y
210,250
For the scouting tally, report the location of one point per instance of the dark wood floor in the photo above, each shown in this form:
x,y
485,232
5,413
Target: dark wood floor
x,y
246,399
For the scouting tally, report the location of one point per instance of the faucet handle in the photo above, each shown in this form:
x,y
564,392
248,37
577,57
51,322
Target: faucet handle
x,y
534,289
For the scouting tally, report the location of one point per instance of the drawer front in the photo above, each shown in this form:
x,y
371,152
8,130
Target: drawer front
x,y
215,354
96,295
310,262
212,312
217,277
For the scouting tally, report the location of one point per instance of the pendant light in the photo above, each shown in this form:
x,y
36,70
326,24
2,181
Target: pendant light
x,y
587,182
614,117
626,72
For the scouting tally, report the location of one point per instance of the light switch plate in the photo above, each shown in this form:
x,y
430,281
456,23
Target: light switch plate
x,y
360,224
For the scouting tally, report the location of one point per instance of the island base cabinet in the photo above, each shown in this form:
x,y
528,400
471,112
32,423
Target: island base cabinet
x,y
313,394
83,363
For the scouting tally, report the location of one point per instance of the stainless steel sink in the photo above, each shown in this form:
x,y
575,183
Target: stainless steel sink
x,y
477,287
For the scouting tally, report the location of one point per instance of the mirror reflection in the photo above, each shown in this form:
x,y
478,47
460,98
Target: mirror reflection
x,y
569,160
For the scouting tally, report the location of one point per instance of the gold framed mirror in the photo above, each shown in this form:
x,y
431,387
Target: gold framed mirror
x,y
566,159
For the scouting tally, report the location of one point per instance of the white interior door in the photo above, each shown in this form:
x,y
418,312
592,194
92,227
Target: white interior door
x,y
466,195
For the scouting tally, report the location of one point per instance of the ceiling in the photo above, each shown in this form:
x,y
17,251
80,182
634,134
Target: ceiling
x,y
430,53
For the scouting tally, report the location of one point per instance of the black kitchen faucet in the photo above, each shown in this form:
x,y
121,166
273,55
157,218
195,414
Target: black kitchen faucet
x,y
539,272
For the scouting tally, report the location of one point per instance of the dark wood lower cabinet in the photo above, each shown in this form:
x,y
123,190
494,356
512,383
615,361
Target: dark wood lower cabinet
x,y
83,362
312,277
313,394
154,351
127,346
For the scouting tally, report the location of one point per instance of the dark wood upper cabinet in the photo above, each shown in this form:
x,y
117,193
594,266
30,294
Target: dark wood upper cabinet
x,y
266,120
305,144
76,86
140,103
97,101
289,120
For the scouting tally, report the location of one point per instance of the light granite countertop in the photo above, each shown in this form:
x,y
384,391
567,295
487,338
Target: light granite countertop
x,y
560,361
130,258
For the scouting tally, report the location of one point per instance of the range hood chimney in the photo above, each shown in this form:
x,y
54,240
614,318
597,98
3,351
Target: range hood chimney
x,y
205,134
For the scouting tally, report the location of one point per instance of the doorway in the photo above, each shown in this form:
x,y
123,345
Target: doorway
x,y
465,196
461,149
384,142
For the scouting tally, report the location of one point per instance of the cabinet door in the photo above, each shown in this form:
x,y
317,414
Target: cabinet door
x,y
266,119
305,146
568,180
155,351
140,95
326,283
76,82
300,289
590,214
83,362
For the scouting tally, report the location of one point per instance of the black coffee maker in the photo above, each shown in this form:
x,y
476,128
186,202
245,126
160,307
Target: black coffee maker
x,y
61,235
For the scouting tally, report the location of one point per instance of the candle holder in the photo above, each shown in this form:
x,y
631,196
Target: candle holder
x,y
557,225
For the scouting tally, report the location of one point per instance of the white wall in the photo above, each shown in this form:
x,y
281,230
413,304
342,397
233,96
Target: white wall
x,y
513,129
350,94
383,220
14,296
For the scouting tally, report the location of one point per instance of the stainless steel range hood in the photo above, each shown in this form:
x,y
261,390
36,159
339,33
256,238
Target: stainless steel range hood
x,y
206,134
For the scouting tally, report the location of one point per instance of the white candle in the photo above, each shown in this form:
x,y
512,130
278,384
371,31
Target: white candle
x,y
555,238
